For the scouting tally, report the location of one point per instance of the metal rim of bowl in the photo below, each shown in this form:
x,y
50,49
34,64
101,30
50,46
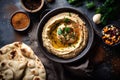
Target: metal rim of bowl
x,y
53,13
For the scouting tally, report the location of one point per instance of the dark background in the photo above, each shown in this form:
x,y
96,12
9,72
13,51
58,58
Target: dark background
x,y
101,63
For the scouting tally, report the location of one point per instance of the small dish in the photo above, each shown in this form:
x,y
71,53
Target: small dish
x,y
20,21
111,35
32,5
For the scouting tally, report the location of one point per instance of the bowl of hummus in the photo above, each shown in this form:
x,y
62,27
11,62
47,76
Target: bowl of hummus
x,y
65,35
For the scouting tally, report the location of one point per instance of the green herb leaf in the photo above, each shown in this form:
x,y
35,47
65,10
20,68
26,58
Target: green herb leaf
x,y
67,29
71,1
59,31
66,20
70,14
109,10
75,2
72,35
90,5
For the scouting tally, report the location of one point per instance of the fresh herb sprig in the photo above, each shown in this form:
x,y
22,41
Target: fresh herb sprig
x,y
67,29
64,31
60,31
90,4
66,20
75,2
72,1
109,10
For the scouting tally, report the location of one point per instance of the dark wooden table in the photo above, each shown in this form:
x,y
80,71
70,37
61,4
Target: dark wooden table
x,y
101,63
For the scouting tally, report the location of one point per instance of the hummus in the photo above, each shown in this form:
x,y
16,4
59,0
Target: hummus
x,y
65,35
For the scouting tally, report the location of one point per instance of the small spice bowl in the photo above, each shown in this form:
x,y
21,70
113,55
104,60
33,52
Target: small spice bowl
x,y
20,21
111,35
32,5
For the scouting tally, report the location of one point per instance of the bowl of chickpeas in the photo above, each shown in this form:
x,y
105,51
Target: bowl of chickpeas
x,y
111,35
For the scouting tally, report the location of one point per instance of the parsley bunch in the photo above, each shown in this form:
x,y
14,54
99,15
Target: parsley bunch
x,y
110,10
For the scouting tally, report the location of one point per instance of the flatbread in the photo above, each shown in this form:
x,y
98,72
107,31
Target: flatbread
x,y
18,62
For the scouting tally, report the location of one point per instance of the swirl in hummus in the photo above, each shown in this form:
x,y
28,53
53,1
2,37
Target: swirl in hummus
x,y
65,35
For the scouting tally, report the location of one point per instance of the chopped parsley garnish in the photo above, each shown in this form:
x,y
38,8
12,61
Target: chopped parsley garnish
x,y
66,20
72,35
67,29
70,14
57,24
59,31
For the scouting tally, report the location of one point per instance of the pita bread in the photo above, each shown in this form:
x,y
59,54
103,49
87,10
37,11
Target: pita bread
x,y
18,62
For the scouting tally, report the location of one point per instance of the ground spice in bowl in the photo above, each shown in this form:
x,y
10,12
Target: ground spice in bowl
x,y
20,21
32,5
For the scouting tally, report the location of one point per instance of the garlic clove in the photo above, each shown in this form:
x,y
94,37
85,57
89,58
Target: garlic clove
x,y
96,18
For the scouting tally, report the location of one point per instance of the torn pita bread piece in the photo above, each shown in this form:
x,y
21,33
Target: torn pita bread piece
x,y
18,62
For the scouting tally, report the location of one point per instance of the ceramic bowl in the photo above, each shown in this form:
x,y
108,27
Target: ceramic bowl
x,y
54,12
111,35
32,6
20,21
